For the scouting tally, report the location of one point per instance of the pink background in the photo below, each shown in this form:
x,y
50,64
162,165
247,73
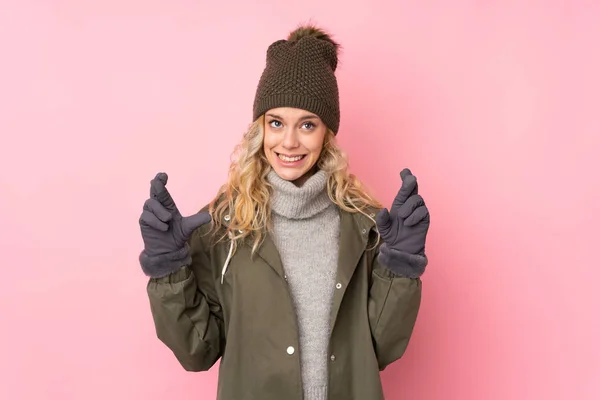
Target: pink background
x,y
493,105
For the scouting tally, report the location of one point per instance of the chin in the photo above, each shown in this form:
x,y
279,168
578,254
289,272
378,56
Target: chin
x,y
289,175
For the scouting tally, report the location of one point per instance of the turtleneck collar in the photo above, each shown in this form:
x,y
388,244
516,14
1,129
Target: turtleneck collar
x,y
293,202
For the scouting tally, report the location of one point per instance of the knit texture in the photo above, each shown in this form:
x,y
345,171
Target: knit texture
x,y
300,73
306,227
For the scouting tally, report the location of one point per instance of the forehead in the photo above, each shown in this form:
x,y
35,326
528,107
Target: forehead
x,y
290,113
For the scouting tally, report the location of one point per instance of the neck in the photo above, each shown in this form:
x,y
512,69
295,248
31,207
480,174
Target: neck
x,y
302,201
300,181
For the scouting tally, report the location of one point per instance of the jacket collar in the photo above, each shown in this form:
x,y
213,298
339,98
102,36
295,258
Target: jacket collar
x,y
355,229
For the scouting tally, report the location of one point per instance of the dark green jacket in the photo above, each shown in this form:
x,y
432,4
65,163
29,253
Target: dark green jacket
x,y
248,321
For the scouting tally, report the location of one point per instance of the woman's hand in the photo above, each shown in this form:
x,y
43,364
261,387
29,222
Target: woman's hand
x,y
404,229
165,231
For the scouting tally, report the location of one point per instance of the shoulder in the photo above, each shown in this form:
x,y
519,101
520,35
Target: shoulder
x,y
364,219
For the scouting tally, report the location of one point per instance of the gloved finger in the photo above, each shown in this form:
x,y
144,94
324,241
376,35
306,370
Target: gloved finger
x,y
384,222
420,214
408,188
407,172
149,219
404,173
158,209
193,222
158,191
410,205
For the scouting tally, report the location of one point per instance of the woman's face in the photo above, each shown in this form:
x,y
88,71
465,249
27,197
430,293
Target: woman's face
x,y
293,142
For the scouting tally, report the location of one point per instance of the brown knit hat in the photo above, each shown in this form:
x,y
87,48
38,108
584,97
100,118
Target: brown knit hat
x,y
300,73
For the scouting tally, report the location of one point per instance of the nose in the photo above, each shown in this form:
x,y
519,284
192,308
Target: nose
x,y
290,139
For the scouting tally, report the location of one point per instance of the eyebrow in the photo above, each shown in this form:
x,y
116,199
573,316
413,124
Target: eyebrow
x,y
301,118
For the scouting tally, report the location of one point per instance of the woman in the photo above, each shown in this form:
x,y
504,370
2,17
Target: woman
x,y
298,284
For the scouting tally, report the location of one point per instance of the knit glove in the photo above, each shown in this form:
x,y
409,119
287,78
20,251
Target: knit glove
x,y
165,231
404,229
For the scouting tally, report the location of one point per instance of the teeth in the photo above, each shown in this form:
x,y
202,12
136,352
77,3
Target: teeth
x,y
289,159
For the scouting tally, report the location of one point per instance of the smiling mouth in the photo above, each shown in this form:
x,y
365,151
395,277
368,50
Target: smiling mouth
x,y
290,158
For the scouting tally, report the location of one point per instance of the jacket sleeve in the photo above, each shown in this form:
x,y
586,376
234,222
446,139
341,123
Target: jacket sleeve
x,y
394,303
187,315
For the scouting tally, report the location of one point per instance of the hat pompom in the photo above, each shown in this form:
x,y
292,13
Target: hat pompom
x,y
312,30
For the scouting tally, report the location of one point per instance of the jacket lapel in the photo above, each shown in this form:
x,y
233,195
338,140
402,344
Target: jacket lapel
x,y
354,234
269,253
267,250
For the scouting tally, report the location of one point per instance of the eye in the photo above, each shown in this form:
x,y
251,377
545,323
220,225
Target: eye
x,y
308,125
275,124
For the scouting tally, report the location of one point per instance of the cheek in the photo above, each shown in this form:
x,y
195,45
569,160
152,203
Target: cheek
x,y
268,141
315,145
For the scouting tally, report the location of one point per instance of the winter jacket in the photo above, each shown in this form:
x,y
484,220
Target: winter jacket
x,y
246,318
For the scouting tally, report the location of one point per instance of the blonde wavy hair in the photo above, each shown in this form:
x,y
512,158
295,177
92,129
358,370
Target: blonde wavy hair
x,y
245,196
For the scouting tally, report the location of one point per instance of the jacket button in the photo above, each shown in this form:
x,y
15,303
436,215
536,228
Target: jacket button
x,y
227,217
332,358
338,285
290,350
364,231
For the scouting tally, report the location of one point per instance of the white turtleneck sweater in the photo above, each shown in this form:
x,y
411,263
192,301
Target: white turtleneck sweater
x,y
306,227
